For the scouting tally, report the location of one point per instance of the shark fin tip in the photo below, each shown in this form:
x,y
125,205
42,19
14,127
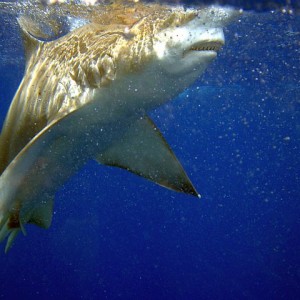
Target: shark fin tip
x,y
11,239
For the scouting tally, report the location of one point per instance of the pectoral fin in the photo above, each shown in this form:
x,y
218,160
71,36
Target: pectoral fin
x,y
143,151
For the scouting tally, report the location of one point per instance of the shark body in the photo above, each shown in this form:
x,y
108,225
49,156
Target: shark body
x,y
86,96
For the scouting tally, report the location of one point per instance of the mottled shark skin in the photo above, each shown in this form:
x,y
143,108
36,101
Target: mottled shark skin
x,y
86,96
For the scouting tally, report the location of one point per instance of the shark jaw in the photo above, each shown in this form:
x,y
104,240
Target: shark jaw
x,y
86,96
192,47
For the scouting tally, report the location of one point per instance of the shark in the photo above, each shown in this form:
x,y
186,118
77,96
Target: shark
x,y
86,95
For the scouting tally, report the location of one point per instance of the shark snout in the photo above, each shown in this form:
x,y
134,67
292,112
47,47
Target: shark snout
x,y
215,16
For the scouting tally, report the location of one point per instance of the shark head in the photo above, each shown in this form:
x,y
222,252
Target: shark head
x,y
192,41
171,46
183,40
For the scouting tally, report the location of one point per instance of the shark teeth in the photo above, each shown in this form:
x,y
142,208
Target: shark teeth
x,y
206,46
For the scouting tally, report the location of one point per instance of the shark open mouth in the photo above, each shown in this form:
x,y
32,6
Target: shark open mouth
x,y
214,46
206,46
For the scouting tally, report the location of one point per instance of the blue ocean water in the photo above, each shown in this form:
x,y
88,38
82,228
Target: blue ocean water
x,y
237,133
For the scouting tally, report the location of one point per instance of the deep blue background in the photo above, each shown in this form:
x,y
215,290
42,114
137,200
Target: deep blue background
x,y
237,132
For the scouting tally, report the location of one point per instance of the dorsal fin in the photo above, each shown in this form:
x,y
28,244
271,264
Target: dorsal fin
x,y
31,44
